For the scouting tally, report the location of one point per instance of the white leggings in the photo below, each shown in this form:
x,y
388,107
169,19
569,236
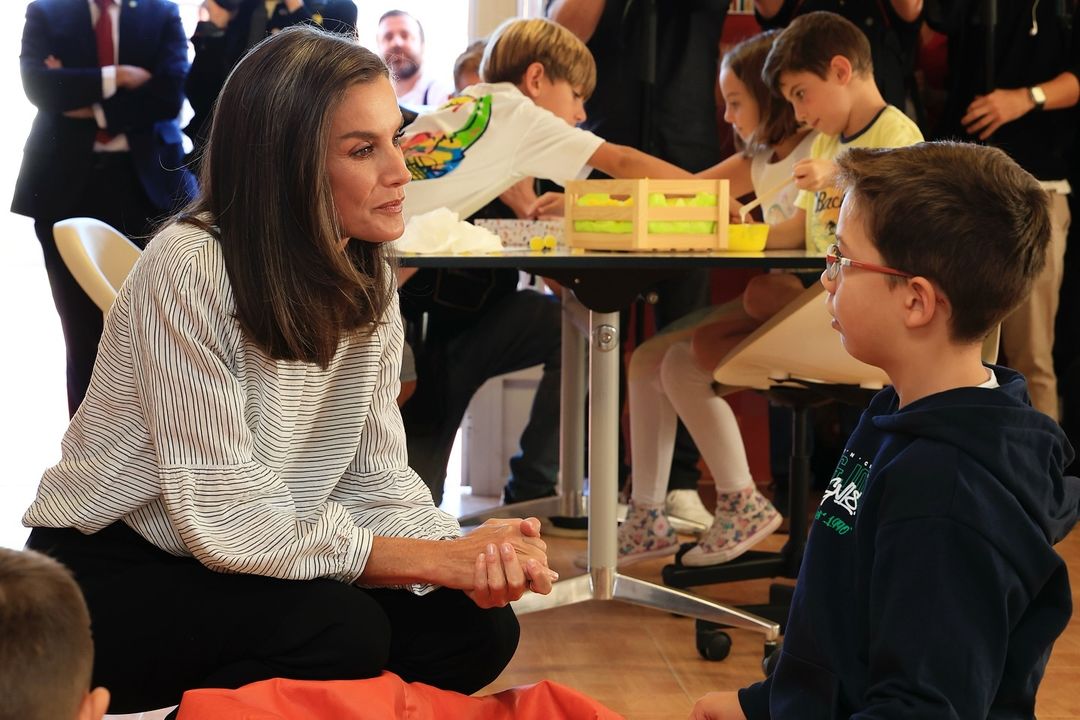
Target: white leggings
x,y
665,382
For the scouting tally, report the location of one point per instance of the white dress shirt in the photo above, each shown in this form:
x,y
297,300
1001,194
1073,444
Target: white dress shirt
x,y
118,143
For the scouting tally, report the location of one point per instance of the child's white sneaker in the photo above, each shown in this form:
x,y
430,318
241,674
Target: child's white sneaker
x,y
743,519
686,512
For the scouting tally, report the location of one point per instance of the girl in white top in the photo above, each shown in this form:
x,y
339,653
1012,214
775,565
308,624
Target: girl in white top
x,y
665,379
234,494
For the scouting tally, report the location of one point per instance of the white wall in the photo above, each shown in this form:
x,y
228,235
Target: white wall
x,y
33,400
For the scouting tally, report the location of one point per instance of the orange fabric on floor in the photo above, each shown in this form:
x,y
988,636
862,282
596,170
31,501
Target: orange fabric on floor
x,y
386,697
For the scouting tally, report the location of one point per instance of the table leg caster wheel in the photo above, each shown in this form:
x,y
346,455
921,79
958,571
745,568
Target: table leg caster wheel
x,y
712,644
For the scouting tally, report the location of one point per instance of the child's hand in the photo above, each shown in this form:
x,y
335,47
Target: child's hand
x,y
734,206
519,197
718,706
547,206
814,174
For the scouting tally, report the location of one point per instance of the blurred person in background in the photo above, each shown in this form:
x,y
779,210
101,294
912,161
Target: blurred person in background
x,y
401,43
229,28
107,81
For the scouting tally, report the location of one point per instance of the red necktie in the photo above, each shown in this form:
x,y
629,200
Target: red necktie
x,y
105,50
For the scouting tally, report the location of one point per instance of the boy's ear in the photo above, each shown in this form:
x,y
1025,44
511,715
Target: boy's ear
x,y
530,79
94,705
922,303
841,69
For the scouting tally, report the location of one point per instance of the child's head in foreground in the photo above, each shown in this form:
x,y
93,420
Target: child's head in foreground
x,y
46,652
546,61
819,63
964,228
761,120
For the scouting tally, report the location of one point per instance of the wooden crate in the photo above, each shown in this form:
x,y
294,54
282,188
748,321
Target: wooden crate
x,y
639,213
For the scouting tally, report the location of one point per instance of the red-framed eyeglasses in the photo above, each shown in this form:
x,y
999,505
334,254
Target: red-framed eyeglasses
x,y
834,261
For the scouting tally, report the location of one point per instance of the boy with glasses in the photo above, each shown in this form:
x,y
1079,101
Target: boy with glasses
x,y
930,586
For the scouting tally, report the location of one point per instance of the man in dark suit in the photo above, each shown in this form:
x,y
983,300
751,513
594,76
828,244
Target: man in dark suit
x,y
107,80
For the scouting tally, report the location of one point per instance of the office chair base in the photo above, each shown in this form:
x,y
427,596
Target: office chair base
x,y
713,643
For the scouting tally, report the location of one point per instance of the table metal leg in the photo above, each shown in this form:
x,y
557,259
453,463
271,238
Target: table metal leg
x,y
572,407
604,582
569,499
603,440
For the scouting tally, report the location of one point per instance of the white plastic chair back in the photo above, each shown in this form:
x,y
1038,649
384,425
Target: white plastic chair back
x,y
98,256
798,343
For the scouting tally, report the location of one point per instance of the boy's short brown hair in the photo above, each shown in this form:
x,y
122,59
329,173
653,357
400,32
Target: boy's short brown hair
x,y
810,43
964,216
776,117
468,61
517,44
46,652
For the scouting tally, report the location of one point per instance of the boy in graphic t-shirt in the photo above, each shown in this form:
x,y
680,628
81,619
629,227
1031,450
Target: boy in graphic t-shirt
x,y
520,122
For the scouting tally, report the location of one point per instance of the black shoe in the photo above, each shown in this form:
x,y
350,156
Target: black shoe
x,y
572,527
510,500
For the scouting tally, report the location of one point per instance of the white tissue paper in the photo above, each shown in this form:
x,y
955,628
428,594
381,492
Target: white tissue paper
x,y
441,232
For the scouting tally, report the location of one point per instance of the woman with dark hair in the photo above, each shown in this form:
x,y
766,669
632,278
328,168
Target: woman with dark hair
x,y
234,496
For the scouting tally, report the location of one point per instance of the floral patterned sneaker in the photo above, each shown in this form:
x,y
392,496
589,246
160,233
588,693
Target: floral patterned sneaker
x,y
743,519
645,533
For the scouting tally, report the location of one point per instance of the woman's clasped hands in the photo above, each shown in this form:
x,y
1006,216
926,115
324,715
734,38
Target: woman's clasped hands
x,y
497,562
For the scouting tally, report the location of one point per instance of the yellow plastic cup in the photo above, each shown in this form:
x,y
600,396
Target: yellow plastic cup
x,y
749,237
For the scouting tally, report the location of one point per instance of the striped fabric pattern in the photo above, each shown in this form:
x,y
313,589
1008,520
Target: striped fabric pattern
x,y
207,447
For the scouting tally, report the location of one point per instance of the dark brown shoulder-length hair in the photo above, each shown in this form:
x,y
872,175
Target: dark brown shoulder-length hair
x,y
776,117
265,195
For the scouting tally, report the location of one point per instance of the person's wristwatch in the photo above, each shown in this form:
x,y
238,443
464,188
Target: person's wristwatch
x,y
1037,96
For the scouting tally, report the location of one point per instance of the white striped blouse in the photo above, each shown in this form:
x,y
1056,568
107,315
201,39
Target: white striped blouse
x,y
209,448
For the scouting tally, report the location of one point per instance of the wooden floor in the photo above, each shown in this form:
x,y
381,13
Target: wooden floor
x,y
643,664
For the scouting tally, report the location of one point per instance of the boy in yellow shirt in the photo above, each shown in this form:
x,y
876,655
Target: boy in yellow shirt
x,y
821,64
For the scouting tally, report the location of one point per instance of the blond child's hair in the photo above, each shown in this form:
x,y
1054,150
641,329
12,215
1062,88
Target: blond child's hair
x,y
517,44
46,651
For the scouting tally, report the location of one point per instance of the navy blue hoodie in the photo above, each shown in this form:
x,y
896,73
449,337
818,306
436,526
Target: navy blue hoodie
x,y
930,587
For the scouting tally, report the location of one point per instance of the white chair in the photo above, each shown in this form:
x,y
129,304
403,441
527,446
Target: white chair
x,y
98,256
798,346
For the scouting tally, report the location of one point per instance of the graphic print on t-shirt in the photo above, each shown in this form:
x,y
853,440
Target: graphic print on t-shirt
x,y
841,500
432,155
823,217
